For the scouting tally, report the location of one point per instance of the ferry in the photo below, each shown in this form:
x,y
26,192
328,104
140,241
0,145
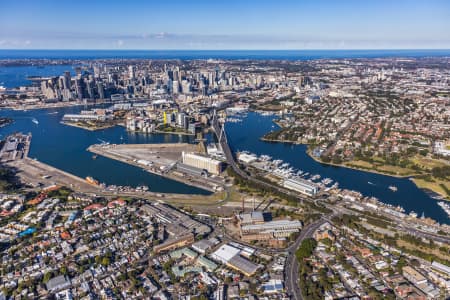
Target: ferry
x,y
92,181
393,188
35,121
445,207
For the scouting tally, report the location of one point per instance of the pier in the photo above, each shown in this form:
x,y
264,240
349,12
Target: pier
x,y
158,159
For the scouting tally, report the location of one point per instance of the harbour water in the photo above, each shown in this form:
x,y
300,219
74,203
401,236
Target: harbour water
x,y
16,76
64,147
407,195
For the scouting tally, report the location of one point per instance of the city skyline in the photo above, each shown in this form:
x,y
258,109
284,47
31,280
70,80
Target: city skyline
x,y
225,26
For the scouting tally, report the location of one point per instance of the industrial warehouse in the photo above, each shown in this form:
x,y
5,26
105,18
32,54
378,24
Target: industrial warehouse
x,y
231,256
253,227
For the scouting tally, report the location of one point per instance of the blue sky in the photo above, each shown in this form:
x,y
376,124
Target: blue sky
x,y
224,24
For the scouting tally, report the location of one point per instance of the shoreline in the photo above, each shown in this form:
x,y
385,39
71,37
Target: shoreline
x,y
54,105
63,104
87,128
336,165
170,132
164,175
308,152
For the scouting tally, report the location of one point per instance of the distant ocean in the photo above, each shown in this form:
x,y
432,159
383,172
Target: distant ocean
x,y
216,54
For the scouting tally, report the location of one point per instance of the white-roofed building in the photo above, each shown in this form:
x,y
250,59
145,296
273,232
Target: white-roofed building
x,y
225,253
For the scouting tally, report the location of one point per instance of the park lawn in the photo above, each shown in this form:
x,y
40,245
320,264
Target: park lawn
x,y
435,251
378,159
396,170
195,199
433,186
360,163
427,163
272,107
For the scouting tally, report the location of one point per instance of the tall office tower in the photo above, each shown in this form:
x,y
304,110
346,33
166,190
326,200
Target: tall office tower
x,y
216,73
211,79
115,79
175,87
67,80
100,90
90,83
185,87
169,74
48,89
96,71
176,75
179,74
79,87
182,120
131,74
61,80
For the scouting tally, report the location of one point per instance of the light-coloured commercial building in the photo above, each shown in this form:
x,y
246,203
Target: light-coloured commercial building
x,y
211,165
413,276
302,186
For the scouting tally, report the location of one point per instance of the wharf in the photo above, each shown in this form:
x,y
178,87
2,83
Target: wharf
x,y
158,159
36,173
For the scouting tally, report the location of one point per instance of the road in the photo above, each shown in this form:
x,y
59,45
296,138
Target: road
x,y
292,266
401,224
232,163
291,273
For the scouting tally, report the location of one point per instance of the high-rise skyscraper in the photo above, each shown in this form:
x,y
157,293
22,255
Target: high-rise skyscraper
x,y
131,74
67,80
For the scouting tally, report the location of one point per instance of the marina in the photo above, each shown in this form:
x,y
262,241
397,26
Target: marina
x,y
369,186
51,138
445,207
283,170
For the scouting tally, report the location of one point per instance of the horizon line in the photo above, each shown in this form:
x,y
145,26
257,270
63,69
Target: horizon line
x,y
317,49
